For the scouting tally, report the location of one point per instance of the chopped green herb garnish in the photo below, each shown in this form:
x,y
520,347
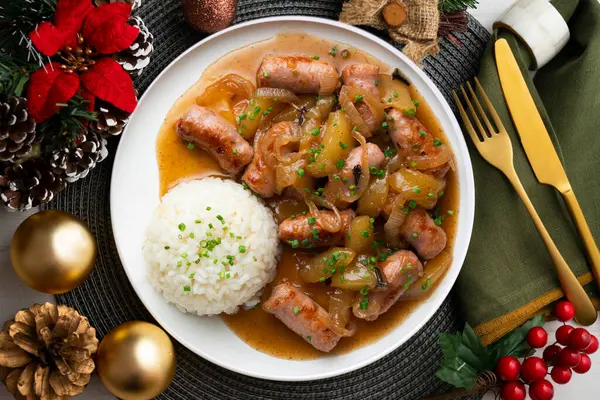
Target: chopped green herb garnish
x,y
296,310
415,102
422,133
343,145
412,204
414,235
167,247
426,285
242,249
294,243
450,212
191,146
358,98
333,51
187,288
181,227
430,195
411,112
301,172
417,189
364,233
316,131
234,151
315,57
266,74
413,164
384,125
437,142
311,220
340,163
376,82
221,219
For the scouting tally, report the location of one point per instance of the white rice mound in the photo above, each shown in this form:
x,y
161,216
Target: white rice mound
x,y
211,247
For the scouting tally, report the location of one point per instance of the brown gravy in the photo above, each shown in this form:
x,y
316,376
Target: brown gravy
x,y
177,163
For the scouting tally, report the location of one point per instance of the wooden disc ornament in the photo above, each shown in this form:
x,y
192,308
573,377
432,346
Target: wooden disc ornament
x,y
53,252
136,361
209,15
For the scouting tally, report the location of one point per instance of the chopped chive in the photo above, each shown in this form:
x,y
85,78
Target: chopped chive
x,y
315,57
430,195
411,112
316,131
364,233
412,204
340,163
358,98
266,74
413,164
450,212
422,133
191,146
208,208
311,220
417,189
414,235
301,172
167,247
187,288
242,249
384,125
296,310
343,145
437,142
376,82
181,227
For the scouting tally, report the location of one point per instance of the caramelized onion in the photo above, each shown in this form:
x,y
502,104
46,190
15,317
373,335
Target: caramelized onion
x,y
351,111
282,95
434,271
329,82
394,222
428,161
340,304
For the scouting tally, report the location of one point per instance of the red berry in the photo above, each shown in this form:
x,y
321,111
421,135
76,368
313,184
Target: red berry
x,y
537,337
579,339
508,368
562,334
541,390
564,311
513,391
561,375
584,364
569,357
593,346
533,369
551,352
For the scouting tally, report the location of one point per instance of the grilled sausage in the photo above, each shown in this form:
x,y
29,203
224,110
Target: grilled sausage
x,y
419,231
214,134
298,74
260,176
374,154
303,232
362,76
400,270
302,315
407,135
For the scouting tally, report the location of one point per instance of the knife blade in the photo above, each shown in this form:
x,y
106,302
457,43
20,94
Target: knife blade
x,y
534,136
538,146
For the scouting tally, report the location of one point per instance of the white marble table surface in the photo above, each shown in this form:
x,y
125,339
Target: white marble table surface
x,y
14,295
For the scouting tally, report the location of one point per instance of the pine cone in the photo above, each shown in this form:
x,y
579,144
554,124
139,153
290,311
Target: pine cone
x,y
46,352
74,161
135,4
137,56
29,184
17,129
111,121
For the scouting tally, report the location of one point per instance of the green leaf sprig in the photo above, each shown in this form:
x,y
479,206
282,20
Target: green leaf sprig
x,y
465,357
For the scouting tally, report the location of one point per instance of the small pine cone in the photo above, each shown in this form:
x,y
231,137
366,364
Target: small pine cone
x,y
17,130
46,352
135,4
111,121
29,184
74,161
137,56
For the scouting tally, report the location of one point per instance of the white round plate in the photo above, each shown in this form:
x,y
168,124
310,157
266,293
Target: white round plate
x,y
134,195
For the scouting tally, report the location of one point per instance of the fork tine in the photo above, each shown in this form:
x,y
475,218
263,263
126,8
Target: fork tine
x,y
490,106
482,133
466,119
491,130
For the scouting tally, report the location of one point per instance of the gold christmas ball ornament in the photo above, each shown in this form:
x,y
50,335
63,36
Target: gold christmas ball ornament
x,y
53,252
136,361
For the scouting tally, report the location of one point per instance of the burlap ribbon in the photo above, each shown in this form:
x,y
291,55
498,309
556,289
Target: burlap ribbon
x,y
418,34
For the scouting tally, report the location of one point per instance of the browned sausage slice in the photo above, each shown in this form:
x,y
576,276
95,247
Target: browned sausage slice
x,y
419,231
411,137
214,134
400,270
302,315
260,175
298,73
304,231
363,76
375,159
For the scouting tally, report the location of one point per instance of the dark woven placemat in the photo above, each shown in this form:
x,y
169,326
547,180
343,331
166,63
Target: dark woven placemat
x,y
108,299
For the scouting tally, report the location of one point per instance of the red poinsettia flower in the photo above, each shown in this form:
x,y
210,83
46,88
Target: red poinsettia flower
x,y
82,33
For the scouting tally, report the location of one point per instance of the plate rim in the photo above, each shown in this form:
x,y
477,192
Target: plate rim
x,y
468,191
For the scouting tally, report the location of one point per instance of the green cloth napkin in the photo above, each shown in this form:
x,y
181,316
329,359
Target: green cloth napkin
x,y
508,275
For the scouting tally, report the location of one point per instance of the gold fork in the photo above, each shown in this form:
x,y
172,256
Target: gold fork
x,y
496,148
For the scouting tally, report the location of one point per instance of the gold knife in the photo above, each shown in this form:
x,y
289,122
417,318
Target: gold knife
x,y
538,145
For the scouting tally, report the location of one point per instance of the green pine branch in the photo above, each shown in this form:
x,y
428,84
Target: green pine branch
x,y
69,123
452,6
17,19
14,75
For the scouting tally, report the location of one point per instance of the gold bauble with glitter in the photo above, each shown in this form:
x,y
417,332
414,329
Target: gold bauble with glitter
x,y
136,361
53,252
